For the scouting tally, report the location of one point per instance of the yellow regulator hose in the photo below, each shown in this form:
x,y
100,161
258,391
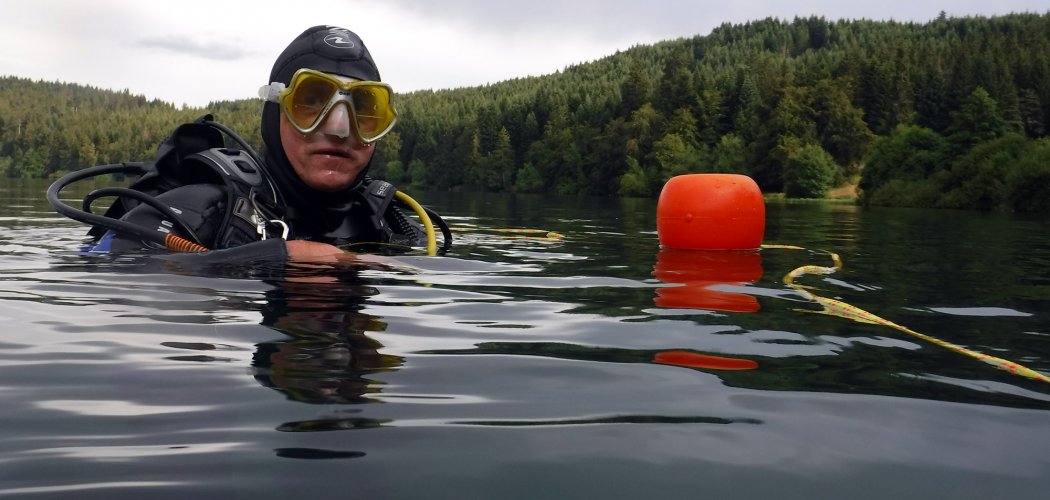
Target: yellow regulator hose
x,y
427,224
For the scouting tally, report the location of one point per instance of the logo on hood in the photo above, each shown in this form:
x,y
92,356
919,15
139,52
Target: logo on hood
x,y
339,38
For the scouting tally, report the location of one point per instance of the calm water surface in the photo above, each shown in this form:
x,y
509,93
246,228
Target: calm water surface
x,y
523,368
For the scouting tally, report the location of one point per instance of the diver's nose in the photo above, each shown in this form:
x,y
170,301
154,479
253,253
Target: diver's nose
x,y
337,123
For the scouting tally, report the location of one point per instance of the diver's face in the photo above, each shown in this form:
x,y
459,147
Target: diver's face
x,y
329,158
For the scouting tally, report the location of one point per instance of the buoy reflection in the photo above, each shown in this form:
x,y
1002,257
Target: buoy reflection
x,y
696,360
697,272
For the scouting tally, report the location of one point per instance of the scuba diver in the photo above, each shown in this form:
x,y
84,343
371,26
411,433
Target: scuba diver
x,y
308,197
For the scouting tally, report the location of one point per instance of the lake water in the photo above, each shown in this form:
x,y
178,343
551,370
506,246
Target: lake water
x,y
597,366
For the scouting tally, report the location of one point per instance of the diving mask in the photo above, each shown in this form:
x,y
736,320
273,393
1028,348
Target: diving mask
x,y
312,95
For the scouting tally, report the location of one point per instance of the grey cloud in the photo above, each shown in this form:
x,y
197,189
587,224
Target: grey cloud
x,y
195,48
619,19
603,19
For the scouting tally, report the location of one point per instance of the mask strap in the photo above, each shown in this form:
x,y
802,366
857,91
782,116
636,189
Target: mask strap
x,y
271,92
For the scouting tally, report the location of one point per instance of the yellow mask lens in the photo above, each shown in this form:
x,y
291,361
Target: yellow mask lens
x,y
313,94
372,109
306,102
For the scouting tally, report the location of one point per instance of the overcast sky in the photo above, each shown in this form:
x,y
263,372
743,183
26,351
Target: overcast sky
x,y
191,52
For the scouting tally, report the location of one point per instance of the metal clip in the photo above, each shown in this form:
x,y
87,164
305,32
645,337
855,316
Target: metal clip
x,y
260,227
284,228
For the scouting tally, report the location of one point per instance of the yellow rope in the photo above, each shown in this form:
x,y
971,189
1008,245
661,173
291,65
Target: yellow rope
x,y
516,233
843,310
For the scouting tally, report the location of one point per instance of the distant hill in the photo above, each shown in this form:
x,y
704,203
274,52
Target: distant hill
x,y
787,102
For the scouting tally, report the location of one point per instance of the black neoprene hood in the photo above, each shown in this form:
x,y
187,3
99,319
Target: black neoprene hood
x,y
329,49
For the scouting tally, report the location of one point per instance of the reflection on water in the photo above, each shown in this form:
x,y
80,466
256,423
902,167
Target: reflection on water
x,y
328,356
704,275
598,365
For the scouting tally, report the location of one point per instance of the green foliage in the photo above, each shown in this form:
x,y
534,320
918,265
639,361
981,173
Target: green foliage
x,y
634,90
395,172
910,154
976,121
1031,112
728,156
901,193
977,179
417,173
809,172
840,125
904,103
1028,180
528,179
917,167
674,156
634,182
47,129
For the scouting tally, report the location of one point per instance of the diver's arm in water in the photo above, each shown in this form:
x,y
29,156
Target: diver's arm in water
x,y
263,251
201,210
312,251
272,250
259,252
277,252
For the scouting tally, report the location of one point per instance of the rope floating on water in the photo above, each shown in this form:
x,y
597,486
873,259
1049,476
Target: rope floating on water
x,y
843,310
515,233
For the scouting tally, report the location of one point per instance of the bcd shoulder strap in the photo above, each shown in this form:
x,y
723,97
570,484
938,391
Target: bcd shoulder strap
x,y
194,153
162,172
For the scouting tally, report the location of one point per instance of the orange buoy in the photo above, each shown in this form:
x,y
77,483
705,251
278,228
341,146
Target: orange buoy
x,y
711,212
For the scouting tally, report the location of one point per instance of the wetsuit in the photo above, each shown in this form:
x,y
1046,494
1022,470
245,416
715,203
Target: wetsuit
x,y
203,207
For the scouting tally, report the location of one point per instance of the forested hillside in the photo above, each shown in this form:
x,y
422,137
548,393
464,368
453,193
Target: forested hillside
x,y
950,113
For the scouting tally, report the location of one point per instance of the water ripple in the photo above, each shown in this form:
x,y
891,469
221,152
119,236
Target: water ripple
x,y
86,487
114,408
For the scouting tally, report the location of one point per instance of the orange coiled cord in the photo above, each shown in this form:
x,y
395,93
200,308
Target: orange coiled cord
x,y
179,244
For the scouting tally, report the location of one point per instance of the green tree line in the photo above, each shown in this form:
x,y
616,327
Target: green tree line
x,y
919,111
